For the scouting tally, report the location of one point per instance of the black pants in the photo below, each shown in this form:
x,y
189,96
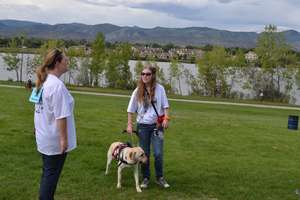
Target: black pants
x,y
52,166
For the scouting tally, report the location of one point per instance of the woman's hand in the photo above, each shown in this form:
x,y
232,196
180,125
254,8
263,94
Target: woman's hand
x,y
165,124
63,145
129,128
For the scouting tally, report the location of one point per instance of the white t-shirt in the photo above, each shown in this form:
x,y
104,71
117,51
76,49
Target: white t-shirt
x,y
57,103
147,115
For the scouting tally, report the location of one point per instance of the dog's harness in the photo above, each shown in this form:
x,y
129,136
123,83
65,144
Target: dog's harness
x,y
118,154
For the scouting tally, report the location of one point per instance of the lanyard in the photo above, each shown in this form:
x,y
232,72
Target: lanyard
x,y
152,103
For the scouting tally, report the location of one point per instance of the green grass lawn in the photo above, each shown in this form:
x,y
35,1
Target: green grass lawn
x,y
211,152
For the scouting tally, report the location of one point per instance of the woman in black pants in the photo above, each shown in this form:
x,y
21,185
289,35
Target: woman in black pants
x,y
53,119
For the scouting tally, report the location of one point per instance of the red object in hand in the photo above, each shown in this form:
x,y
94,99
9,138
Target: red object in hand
x,y
160,119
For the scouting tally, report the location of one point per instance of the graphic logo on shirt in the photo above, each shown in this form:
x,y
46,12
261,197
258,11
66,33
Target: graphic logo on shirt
x,y
39,107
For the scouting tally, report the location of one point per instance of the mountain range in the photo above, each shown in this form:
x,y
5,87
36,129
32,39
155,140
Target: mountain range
x,y
196,36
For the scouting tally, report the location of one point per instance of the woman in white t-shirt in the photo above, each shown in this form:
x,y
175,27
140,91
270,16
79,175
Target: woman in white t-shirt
x,y
54,121
149,101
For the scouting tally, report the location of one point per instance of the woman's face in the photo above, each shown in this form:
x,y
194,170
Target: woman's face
x,y
63,65
146,76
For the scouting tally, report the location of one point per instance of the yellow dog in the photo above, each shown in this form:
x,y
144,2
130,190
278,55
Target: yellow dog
x,y
126,156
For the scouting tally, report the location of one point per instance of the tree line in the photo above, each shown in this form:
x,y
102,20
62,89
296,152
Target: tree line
x,y
98,65
273,72
111,62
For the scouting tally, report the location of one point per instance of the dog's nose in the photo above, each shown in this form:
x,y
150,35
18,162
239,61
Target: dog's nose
x,y
144,160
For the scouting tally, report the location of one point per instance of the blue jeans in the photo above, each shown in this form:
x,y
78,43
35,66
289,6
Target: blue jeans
x,y
146,137
52,166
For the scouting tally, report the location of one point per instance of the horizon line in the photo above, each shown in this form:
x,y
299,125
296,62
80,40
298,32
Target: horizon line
x,y
132,26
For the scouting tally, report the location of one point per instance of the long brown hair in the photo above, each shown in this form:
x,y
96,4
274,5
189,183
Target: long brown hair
x,y
142,87
52,57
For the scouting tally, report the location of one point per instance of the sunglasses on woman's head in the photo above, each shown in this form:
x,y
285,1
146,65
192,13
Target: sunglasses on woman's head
x,y
147,74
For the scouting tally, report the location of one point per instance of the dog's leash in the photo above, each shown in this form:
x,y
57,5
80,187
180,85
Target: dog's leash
x,y
131,136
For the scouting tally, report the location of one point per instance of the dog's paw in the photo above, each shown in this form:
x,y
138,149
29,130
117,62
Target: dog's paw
x,y
138,189
119,186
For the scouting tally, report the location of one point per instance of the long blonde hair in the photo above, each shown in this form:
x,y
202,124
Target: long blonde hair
x,y
142,87
52,57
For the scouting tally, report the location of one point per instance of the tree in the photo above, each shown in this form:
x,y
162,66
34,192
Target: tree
x,y
98,58
125,74
155,45
175,72
194,81
238,60
138,68
237,64
22,39
161,78
275,58
51,44
211,70
207,47
33,63
118,71
83,76
37,59
167,47
73,54
12,60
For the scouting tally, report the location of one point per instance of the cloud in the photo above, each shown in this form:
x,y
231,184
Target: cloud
x,y
227,13
17,10
173,9
222,14
97,3
224,1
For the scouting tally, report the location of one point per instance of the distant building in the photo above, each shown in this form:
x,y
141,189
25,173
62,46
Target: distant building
x,y
251,56
182,54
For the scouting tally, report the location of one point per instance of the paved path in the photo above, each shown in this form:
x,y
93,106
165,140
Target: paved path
x,y
178,100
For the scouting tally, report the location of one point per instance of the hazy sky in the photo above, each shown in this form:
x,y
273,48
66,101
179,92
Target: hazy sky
x,y
236,15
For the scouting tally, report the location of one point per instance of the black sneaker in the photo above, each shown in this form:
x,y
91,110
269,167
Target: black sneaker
x,y
162,182
145,183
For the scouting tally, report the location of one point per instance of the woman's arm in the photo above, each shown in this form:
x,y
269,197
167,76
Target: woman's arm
x,y
62,126
129,123
165,122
